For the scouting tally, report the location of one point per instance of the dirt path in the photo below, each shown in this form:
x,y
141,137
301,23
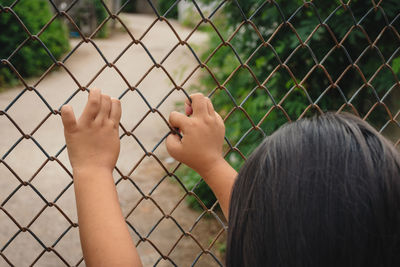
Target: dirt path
x,y
26,158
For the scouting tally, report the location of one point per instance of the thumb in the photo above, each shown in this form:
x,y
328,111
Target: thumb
x,y
174,146
68,117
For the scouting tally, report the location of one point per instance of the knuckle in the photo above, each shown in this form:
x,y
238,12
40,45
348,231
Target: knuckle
x,y
110,124
173,115
94,101
107,97
64,111
65,108
172,150
115,124
219,119
193,123
196,96
116,101
96,124
208,120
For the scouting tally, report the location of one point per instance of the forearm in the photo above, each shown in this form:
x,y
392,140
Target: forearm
x,y
104,234
221,178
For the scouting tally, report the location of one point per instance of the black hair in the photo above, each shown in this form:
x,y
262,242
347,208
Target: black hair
x,y
321,191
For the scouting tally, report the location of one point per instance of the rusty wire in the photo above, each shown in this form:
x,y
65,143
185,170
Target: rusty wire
x,y
394,118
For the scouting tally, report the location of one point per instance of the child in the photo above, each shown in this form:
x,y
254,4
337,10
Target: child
x,y
318,192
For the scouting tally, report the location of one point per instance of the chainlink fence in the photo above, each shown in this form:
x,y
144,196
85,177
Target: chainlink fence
x,y
27,239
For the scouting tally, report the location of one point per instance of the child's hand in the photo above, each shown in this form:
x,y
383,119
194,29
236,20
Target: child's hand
x,y
93,140
203,135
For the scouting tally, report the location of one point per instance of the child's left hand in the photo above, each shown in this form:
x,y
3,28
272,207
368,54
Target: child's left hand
x,y
92,141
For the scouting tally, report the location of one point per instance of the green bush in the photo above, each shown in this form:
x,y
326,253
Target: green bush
x,y
101,14
32,59
262,64
88,15
130,6
164,5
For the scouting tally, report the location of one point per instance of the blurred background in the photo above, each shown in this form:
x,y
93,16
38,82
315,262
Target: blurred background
x,y
262,63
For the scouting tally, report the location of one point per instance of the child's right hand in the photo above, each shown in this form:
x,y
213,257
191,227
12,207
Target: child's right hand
x,y
93,140
202,135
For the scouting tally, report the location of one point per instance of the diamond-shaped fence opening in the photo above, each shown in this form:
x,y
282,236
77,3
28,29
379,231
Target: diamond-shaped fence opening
x,y
263,63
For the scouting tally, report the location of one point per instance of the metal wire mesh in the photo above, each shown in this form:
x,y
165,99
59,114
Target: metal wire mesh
x,y
388,101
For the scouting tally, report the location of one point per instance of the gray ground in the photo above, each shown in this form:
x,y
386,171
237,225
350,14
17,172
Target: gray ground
x,y
26,158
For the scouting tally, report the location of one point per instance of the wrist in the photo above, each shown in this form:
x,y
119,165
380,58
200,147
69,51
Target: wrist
x,y
91,170
218,164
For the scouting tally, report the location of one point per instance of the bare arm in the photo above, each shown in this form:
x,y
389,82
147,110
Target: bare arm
x,y
220,178
201,146
93,148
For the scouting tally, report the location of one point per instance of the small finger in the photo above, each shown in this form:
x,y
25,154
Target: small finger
x,y
68,117
210,107
178,120
174,146
92,106
115,113
105,108
219,118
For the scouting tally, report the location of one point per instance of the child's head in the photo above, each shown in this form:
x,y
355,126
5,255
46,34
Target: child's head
x,y
318,192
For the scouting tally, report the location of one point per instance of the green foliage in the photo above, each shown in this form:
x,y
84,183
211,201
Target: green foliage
x,y
164,5
88,15
262,100
221,247
101,14
32,58
130,6
192,181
